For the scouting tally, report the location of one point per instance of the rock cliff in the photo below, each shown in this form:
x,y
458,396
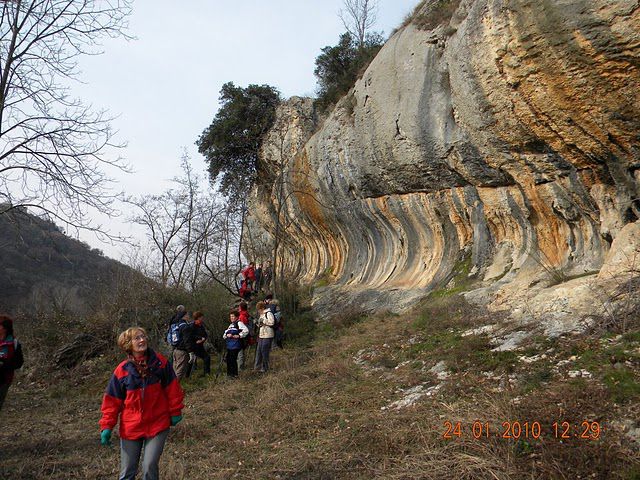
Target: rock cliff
x,y
502,146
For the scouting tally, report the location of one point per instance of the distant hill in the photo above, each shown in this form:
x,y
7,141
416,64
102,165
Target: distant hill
x,y
42,268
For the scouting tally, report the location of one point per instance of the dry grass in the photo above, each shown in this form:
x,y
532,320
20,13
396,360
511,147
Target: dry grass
x,y
428,14
319,415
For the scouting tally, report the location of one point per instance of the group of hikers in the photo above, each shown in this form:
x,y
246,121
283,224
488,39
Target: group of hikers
x,y
186,335
144,391
255,279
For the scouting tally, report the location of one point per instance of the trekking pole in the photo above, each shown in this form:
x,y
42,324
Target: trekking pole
x,y
222,359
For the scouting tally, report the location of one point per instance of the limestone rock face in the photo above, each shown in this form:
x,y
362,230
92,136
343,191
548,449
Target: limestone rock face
x,y
508,137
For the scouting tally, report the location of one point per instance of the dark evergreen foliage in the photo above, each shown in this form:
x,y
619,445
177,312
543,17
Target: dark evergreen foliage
x,y
338,67
232,142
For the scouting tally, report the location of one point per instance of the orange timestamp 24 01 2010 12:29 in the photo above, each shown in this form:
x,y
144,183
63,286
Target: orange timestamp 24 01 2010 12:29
x,y
515,430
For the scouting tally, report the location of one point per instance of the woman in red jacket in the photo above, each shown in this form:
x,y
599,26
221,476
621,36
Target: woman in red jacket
x,y
147,396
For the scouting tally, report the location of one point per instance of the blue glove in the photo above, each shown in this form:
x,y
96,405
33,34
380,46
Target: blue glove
x,y
105,437
175,420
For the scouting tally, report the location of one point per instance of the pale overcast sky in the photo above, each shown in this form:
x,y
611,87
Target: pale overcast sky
x,y
164,85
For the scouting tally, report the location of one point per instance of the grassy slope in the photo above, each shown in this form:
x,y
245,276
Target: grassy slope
x,y
321,415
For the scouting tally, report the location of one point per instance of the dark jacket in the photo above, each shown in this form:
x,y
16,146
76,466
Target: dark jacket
x,y
191,333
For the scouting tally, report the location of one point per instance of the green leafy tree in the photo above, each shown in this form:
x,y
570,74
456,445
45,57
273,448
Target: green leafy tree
x,y
338,67
231,144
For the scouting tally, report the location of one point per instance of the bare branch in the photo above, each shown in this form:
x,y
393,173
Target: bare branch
x,y
358,17
53,149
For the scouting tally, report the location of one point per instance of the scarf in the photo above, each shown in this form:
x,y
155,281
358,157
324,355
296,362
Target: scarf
x,y
141,365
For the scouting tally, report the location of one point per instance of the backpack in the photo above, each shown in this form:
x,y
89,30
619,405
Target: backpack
x,y
253,328
174,333
277,315
245,341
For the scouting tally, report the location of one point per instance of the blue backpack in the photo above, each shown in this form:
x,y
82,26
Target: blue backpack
x,y
174,333
277,314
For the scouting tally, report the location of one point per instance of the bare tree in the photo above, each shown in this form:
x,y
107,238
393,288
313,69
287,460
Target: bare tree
x,y
358,17
53,148
222,255
194,236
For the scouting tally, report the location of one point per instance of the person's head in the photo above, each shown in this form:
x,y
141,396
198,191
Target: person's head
x,y
133,341
198,317
268,298
6,326
243,306
233,316
180,308
252,264
274,301
261,306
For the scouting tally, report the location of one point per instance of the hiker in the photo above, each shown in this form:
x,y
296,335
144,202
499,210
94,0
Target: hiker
x,y
257,286
181,311
11,357
278,328
249,340
267,276
195,336
144,392
233,336
265,337
249,275
274,304
176,339
245,291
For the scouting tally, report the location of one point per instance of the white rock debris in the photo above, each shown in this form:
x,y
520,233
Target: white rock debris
x,y
486,329
440,370
412,395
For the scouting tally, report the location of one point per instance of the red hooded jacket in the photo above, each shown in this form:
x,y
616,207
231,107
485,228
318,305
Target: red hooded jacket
x,y
249,273
145,405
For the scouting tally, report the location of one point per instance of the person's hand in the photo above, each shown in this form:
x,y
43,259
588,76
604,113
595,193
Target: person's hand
x,y
236,336
176,420
105,437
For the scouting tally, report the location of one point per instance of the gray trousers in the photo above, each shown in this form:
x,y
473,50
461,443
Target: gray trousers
x,y
130,455
262,354
242,358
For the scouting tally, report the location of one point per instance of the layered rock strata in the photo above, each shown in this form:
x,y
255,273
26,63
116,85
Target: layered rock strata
x,y
508,137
